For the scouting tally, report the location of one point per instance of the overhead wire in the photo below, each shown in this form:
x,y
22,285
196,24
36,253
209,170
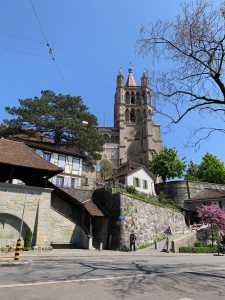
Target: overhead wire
x,y
85,75
61,51
48,44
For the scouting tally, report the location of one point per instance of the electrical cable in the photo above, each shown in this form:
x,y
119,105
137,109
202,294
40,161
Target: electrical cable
x,y
61,51
22,51
48,44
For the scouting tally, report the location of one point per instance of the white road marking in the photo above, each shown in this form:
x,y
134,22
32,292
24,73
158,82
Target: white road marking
x,y
106,278
68,281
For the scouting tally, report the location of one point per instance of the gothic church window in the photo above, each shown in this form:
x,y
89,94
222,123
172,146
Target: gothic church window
x,y
132,98
138,116
127,98
132,115
138,100
127,116
144,96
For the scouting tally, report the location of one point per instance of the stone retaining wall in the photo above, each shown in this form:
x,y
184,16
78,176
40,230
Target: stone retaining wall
x,y
147,220
179,191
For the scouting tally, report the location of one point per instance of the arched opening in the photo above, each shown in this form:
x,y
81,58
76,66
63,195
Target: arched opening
x,y
138,116
112,139
127,116
138,99
10,228
127,98
106,138
132,98
116,139
144,96
132,116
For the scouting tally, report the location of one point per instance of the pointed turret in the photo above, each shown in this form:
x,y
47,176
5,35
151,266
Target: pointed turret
x,y
145,79
130,79
120,79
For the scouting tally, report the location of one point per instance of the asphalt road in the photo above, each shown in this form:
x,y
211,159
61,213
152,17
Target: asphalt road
x,y
148,277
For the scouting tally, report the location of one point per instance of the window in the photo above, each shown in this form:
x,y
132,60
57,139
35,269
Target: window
x,y
132,98
74,182
59,180
136,182
127,98
76,164
86,168
98,167
132,116
127,115
47,156
61,161
145,184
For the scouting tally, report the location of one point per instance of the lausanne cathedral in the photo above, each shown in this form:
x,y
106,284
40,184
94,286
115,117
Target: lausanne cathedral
x,y
135,137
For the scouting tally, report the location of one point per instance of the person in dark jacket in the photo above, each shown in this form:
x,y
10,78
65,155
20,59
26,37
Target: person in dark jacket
x,y
132,241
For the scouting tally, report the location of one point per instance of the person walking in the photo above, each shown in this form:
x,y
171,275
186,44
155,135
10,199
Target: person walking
x,y
132,241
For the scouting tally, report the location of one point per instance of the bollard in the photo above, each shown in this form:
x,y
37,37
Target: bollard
x,y
156,244
17,250
101,246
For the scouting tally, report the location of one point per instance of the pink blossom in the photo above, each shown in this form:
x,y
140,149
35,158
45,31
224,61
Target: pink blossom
x,y
212,215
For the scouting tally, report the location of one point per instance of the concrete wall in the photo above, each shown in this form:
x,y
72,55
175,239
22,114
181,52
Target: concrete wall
x,y
183,241
36,214
66,222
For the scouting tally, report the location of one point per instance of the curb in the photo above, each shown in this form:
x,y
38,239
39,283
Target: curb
x,y
7,262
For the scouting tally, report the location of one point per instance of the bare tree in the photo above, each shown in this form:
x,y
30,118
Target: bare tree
x,y
193,46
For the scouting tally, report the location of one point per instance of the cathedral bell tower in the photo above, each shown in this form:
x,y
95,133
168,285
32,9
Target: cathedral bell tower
x,y
139,137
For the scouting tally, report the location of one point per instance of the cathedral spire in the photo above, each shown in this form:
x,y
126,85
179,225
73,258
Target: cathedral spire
x,y
145,79
130,79
120,79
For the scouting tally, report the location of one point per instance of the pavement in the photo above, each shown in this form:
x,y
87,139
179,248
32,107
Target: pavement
x,y
27,256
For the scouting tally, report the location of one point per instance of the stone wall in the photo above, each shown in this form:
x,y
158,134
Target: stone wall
x,y
179,191
36,214
146,219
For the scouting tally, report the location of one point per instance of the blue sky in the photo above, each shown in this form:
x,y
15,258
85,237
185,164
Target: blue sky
x,y
90,40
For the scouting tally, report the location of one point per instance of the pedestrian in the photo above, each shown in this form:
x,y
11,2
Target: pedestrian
x,y
132,241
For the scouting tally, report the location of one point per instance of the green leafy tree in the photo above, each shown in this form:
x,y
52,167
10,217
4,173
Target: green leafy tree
x,y
106,168
192,171
63,118
166,164
211,169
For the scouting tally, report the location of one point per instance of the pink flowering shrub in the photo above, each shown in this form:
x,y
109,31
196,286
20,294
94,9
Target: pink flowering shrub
x,y
214,216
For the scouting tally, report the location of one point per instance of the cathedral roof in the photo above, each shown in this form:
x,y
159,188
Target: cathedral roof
x,y
130,79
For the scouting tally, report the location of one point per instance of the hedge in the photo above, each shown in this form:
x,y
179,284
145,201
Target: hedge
x,y
203,249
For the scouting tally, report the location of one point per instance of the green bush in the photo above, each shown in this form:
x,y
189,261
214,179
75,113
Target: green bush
x,y
203,249
131,189
145,198
199,244
27,239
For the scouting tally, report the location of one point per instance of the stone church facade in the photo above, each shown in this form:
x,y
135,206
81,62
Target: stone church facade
x,y
135,136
